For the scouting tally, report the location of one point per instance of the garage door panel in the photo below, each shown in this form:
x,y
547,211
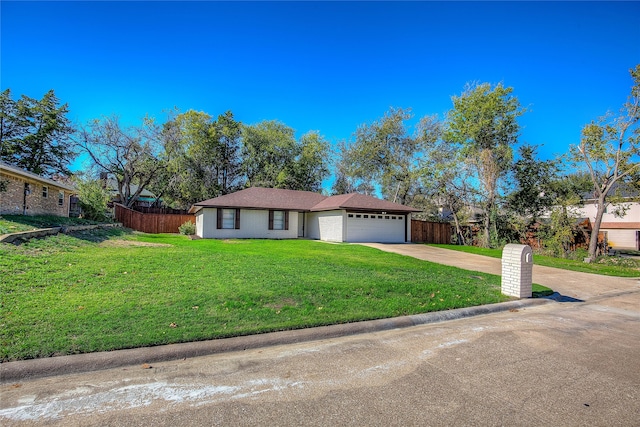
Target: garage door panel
x,y
375,228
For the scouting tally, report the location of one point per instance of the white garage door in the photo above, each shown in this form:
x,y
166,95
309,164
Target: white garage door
x,y
375,228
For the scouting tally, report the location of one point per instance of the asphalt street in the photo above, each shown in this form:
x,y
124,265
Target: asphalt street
x,y
571,363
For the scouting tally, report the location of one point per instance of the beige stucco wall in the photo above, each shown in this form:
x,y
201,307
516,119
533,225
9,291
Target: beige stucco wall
x,y
254,224
631,215
12,200
619,237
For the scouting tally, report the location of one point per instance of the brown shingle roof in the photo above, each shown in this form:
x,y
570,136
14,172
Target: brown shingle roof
x,y
10,169
264,198
276,198
360,202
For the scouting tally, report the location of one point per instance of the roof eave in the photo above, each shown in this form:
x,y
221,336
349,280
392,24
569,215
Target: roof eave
x,y
377,210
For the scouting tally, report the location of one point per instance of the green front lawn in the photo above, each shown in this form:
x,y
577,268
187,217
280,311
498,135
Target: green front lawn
x,y
108,290
608,266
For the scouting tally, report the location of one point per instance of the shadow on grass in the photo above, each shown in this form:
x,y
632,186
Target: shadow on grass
x,y
47,221
98,235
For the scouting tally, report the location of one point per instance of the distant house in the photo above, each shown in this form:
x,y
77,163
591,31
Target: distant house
x,y
271,213
25,193
144,200
619,232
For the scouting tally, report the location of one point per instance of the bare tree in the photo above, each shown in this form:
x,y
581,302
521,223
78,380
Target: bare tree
x,y
610,150
131,155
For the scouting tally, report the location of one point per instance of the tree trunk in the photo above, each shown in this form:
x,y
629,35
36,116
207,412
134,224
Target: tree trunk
x,y
459,233
593,241
486,223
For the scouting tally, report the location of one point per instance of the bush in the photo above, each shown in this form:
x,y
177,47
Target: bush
x,y
618,261
93,199
188,228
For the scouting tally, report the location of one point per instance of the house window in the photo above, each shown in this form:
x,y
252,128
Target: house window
x,y
386,217
45,191
358,216
278,220
60,198
366,216
228,219
393,217
379,216
350,215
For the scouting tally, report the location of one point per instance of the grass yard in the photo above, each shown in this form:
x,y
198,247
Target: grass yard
x,y
608,265
111,289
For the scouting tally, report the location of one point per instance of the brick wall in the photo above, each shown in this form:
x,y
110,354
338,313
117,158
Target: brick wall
x,y
12,200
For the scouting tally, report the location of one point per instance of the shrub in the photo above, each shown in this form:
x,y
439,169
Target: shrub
x,y
188,228
93,199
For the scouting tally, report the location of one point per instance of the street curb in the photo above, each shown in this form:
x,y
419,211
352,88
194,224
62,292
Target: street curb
x,y
37,368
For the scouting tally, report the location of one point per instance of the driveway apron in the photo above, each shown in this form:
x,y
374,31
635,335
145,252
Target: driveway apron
x,y
571,284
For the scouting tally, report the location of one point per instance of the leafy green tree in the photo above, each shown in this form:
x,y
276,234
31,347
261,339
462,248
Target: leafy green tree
x,y
566,192
131,155
348,178
312,163
385,155
228,136
273,158
443,175
484,123
532,195
93,198
203,157
36,134
610,152
11,128
190,154
269,151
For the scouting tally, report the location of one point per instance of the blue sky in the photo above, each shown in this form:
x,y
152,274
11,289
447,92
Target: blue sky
x,y
325,66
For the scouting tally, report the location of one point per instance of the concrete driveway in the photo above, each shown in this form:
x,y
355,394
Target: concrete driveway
x,y
572,284
560,363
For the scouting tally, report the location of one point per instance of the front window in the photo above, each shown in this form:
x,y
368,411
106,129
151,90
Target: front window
x,y
229,218
278,220
45,191
60,198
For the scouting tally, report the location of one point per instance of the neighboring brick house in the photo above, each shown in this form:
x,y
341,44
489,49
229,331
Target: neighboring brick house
x,y
25,193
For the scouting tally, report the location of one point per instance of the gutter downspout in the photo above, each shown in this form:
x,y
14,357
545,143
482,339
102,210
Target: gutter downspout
x,y
26,192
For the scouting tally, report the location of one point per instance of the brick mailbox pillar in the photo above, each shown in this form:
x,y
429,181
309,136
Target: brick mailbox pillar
x,y
517,270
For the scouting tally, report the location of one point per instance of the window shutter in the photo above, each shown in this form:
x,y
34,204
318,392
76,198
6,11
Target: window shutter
x,y
219,218
286,220
237,219
270,220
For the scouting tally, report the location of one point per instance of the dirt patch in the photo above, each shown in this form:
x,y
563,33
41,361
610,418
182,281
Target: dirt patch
x,y
126,243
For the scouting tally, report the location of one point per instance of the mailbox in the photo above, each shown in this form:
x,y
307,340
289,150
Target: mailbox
x,y
517,270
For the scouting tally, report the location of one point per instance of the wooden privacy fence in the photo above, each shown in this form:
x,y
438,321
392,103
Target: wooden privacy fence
x,y
430,232
151,222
